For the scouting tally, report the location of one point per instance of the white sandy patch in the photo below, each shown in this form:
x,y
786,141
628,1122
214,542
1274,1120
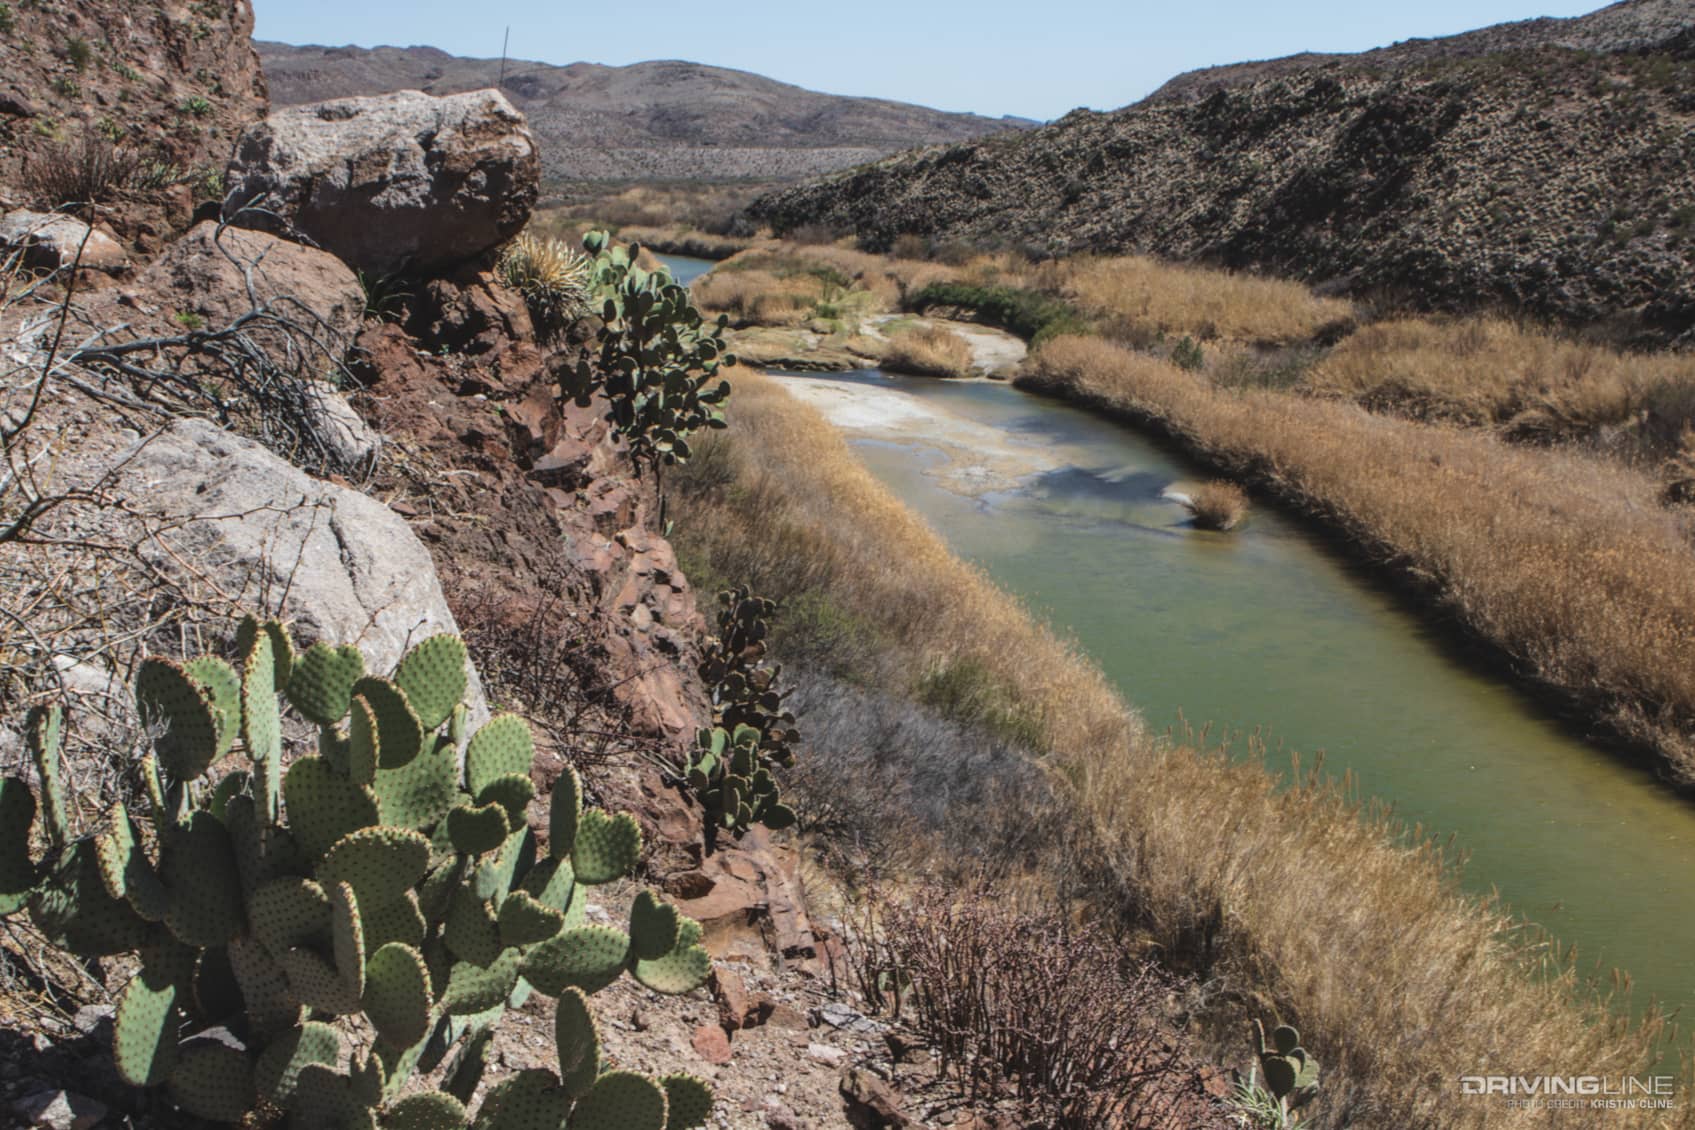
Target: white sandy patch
x,y
977,458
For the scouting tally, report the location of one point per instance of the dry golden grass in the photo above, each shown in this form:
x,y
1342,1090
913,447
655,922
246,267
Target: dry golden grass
x,y
758,298
1317,906
1567,562
1485,371
929,351
676,240
1172,299
1217,505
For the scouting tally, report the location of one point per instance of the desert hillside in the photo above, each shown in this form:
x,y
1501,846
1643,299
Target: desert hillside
x,y
665,120
1504,168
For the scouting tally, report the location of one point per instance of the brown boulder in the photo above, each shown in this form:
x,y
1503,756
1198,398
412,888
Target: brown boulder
x,y
870,1103
51,242
401,183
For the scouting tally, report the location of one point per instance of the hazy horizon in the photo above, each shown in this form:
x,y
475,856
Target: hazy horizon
x,y
989,59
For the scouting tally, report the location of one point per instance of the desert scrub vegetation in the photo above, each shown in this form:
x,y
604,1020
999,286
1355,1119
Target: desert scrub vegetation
x,y
1218,504
1031,314
1565,562
1295,893
553,277
378,901
1528,383
929,351
1145,297
88,170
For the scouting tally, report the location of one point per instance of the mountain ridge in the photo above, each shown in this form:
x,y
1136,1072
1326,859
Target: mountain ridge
x,y
660,119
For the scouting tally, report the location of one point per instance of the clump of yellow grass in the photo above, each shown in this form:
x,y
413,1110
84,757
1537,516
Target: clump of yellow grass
x,y
929,351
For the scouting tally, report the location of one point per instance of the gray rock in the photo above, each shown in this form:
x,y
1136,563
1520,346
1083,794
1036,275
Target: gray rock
x,y
352,441
49,242
58,1110
342,566
393,183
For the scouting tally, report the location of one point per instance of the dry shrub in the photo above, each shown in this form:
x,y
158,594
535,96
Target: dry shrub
x,y
1056,1012
1351,926
90,170
1173,299
1488,371
554,278
756,297
1217,505
1566,562
929,351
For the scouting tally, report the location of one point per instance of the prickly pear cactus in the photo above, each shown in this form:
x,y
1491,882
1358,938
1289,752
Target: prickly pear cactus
x,y
732,769
1291,1072
377,878
659,359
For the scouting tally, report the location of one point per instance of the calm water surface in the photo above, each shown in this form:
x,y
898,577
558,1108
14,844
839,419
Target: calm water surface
x,y
1265,628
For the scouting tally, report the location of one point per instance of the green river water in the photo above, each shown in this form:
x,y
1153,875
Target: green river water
x,y
1267,628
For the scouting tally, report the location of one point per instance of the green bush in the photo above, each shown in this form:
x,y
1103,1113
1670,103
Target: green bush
x,y
1030,314
379,905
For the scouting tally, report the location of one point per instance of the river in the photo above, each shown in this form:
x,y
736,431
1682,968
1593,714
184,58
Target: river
x,y
1268,629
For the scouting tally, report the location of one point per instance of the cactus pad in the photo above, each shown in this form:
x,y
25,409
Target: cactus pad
x,y
382,864
285,1057
578,1041
589,957
1285,1039
472,988
213,1081
420,793
43,732
197,865
271,1004
74,908
1280,1074
144,1033
688,1101
502,747
17,871
261,725
321,684
223,686
475,830
401,734
525,921
248,633
472,931
607,847
551,882
428,1110
621,1100
398,994
286,912
528,1100
653,927
566,810
433,677
512,792
398,920
316,983
182,715
362,740
682,970
324,806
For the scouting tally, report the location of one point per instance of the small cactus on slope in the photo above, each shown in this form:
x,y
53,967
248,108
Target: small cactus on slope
x,y
1291,1072
373,878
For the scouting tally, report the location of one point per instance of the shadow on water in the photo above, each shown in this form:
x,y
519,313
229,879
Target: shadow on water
x,y
1281,627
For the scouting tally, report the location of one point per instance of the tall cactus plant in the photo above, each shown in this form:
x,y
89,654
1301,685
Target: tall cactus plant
x,y
376,885
732,769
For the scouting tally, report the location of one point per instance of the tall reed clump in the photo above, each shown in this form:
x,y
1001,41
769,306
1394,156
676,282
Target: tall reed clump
x,y
1217,505
1351,925
929,351
1567,563
1173,299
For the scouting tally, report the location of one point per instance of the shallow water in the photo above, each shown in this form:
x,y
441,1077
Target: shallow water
x,y
1267,628
685,269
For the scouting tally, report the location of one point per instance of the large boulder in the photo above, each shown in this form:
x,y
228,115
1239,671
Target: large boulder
x,y
403,183
48,241
341,566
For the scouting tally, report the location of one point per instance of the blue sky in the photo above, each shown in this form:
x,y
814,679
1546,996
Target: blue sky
x,y
1028,57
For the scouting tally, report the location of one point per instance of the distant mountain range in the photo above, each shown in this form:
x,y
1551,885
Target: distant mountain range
x,y
1546,167
649,121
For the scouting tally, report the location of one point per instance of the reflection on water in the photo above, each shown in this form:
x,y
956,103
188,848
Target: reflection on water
x,y
1266,628
684,269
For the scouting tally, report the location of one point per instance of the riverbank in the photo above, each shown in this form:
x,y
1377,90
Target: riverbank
x,y
1306,902
1567,564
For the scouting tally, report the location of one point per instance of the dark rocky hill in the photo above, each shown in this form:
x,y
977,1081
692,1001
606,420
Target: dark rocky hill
x,y
649,121
1546,167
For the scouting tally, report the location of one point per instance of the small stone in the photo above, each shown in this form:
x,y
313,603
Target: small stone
x,y
827,1054
58,1110
712,1044
871,1104
90,1017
